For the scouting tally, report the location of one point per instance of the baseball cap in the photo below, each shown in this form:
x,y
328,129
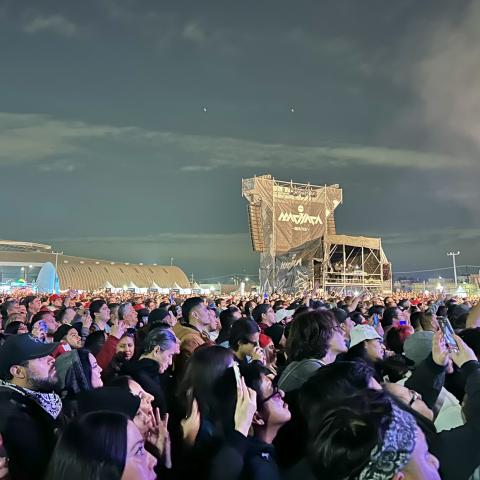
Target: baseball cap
x,y
282,314
19,349
54,297
360,333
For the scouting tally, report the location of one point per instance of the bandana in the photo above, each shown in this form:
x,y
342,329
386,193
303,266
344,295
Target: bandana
x,y
50,402
397,447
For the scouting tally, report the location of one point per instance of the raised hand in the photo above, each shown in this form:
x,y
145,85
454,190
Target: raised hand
x,y
160,437
245,408
440,351
464,354
191,424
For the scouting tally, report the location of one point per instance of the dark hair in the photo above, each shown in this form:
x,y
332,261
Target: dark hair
x,y
310,335
93,447
442,311
95,307
334,382
376,309
356,317
62,332
27,300
61,313
343,435
471,336
248,308
396,337
158,337
252,373
259,310
95,341
12,327
204,368
227,319
241,331
415,320
388,316
39,316
218,301
188,305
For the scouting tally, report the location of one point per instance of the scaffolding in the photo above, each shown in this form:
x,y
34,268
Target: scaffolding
x,y
292,226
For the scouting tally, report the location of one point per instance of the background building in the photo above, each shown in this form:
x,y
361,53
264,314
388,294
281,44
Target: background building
x,y
39,266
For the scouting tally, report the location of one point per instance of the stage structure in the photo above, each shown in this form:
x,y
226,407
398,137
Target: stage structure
x,y
292,226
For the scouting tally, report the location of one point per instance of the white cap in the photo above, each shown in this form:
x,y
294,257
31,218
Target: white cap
x,y
282,314
360,333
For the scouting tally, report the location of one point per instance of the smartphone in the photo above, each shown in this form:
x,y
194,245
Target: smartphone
x,y
375,319
236,370
265,296
448,333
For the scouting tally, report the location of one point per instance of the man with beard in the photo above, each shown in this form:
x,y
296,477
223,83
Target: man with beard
x,y
29,407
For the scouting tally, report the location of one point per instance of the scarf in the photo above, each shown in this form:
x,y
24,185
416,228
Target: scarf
x,y
50,402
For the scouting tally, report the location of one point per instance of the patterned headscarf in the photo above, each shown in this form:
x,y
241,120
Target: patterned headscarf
x,y
397,447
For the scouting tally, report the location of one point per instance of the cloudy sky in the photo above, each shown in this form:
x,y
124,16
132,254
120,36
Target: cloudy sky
x,y
106,150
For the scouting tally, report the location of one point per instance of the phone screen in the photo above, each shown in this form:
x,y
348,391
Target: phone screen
x,y
375,319
448,333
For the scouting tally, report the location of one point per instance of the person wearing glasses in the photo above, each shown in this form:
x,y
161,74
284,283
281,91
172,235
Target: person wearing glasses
x,y
245,341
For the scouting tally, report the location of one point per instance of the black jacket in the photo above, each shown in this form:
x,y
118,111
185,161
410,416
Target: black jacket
x,y
456,449
146,373
28,433
242,458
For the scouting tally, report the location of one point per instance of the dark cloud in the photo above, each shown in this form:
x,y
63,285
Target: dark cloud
x,y
108,151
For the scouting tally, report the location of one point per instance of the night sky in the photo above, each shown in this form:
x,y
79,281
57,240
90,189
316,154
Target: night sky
x,y
106,149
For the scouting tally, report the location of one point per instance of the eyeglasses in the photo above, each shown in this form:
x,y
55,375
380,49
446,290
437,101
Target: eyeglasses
x,y
415,396
255,344
275,393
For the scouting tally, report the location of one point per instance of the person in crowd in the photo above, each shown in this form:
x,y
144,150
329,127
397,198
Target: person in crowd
x,y
396,336
101,445
33,305
49,320
100,314
417,346
392,447
315,340
264,315
67,338
55,302
160,346
345,321
244,341
214,327
77,371
28,405
128,315
15,327
227,318
65,315
192,333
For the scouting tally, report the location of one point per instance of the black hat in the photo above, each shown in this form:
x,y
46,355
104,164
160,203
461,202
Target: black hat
x,y
158,315
62,331
18,349
113,399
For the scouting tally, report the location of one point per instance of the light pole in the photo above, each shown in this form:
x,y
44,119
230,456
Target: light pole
x,y
171,261
453,255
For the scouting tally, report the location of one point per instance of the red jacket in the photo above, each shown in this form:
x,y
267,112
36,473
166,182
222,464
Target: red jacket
x,y
106,354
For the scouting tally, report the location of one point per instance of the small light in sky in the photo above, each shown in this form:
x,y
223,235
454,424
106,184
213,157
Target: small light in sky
x,y
292,109
205,109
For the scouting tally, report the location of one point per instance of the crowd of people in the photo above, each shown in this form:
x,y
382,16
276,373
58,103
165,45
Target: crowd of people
x,y
106,386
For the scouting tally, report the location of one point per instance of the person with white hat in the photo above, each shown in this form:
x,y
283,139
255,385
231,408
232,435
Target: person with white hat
x,y
365,344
